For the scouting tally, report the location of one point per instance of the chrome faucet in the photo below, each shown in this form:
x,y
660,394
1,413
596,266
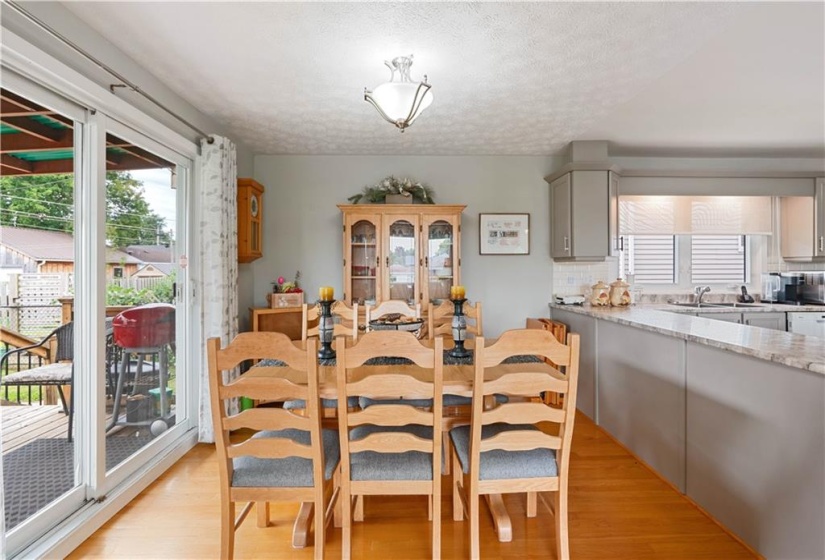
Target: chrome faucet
x,y
700,291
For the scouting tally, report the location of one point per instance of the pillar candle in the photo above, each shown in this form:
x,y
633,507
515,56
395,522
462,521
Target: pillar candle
x,y
459,292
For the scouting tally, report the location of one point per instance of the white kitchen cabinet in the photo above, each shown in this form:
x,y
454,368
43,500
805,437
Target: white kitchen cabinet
x,y
768,320
802,225
584,213
729,317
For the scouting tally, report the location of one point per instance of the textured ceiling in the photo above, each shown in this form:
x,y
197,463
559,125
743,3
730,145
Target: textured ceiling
x,y
508,78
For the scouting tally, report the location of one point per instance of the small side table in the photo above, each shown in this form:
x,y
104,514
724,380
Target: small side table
x,y
286,320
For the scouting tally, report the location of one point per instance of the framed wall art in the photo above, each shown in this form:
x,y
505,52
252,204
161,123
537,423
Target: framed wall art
x,y
504,234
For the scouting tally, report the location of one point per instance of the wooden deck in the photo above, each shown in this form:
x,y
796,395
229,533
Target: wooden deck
x,y
23,423
618,510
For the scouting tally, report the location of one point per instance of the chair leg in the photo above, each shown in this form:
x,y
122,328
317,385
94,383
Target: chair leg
x,y
70,435
359,508
445,452
562,543
436,501
458,505
263,514
346,523
320,526
474,507
227,527
532,502
338,508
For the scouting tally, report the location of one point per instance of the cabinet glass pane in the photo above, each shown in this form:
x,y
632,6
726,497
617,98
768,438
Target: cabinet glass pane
x,y
440,259
402,263
363,262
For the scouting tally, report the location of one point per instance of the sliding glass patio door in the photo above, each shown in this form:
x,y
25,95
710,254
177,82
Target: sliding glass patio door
x,y
102,210
43,159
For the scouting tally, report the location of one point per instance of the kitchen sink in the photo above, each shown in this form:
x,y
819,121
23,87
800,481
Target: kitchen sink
x,y
703,305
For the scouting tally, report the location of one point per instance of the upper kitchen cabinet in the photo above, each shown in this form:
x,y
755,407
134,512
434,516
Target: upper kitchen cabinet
x,y
400,251
584,212
250,220
802,225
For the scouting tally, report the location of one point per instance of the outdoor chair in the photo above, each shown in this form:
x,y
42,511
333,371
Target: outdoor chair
x,y
58,348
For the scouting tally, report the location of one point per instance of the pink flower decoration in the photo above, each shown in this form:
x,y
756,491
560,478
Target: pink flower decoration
x,y
281,280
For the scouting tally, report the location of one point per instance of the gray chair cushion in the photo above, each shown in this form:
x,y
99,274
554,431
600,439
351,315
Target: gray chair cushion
x,y
498,464
290,471
50,374
299,404
365,402
371,465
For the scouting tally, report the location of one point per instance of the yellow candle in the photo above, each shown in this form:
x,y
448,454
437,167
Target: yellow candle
x,y
326,293
457,292
330,293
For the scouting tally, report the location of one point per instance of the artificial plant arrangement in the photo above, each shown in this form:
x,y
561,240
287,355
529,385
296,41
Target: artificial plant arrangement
x,y
281,286
377,194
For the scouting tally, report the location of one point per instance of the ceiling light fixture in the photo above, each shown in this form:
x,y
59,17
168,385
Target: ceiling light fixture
x,y
400,102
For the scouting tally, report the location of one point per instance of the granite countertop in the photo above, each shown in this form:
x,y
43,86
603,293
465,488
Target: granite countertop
x,y
794,350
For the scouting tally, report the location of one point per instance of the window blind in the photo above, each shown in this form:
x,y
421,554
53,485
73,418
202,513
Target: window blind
x,y
717,259
695,215
650,258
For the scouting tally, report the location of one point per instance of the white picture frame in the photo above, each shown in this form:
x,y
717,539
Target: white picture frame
x,y
504,234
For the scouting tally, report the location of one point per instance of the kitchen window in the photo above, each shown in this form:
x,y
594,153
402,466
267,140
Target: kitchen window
x,y
680,241
702,259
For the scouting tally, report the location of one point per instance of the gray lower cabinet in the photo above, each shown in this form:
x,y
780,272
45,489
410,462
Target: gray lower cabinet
x,y
769,320
744,438
729,317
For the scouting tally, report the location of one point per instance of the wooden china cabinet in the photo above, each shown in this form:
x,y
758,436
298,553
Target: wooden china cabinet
x,y
410,252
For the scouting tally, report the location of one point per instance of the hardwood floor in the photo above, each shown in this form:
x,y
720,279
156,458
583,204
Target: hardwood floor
x,y
618,509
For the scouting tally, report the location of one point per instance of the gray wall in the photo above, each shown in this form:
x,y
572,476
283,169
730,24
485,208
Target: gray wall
x,y
302,226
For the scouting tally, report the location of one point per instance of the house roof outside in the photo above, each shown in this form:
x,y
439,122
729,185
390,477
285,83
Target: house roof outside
x,y
160,254
56,246
164,268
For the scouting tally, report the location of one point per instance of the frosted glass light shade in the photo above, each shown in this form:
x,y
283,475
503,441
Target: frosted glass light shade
x,y
400,100
396,99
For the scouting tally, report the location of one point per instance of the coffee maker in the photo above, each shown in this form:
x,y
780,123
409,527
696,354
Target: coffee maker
x,y
791,285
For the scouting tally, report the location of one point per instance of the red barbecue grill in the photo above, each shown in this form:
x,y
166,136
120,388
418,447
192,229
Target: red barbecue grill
x,y
142,330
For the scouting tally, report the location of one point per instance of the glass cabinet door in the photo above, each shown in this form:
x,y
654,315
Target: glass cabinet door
x,y
402,261
440,260
364,262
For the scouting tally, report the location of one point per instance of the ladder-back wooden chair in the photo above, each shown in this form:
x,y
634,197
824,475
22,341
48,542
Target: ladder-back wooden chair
x,y
559,330
390,449
440,317
507,448
289,457
346,320
392,306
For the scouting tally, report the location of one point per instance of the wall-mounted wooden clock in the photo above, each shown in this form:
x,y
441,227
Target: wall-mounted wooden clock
x,y
250,220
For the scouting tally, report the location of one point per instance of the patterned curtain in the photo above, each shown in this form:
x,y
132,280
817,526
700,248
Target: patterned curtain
x,y
219,261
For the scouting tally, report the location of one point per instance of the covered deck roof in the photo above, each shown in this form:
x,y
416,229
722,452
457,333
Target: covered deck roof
x,y
35,140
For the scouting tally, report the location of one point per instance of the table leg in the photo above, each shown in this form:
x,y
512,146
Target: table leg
x,y
300,530
504,527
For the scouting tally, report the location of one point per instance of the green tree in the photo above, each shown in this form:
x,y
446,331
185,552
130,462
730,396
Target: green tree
x,y
47,202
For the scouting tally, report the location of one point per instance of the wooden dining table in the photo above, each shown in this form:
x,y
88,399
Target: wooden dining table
x,y
458,380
